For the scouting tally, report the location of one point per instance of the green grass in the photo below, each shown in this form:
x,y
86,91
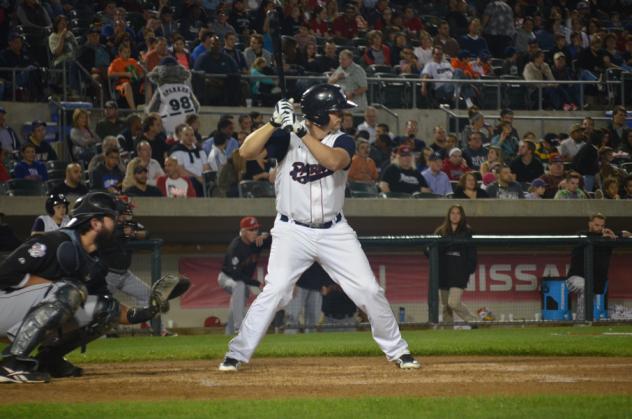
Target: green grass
x,y
532,341
541,407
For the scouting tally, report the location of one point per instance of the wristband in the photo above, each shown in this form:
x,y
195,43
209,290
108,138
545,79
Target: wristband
x,y
274,124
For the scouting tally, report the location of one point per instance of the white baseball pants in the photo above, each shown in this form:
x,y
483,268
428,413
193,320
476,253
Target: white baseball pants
x,y
337,249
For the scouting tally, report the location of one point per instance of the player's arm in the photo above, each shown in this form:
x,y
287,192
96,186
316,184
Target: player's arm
x,y
255,143
333,158
282,117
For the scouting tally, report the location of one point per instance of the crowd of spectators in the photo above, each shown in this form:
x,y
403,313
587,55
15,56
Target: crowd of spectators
x,y
118,42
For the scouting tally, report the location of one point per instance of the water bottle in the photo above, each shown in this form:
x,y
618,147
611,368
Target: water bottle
x,y
402,314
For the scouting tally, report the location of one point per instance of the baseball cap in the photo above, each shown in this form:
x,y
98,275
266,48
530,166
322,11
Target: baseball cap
x,y
488,178
111,104
559,55
94,29
455,150
140,169
434,156
404,150
576,127
556,159
506,111
538,183
485,55
37,123
249,223
463,54
168,61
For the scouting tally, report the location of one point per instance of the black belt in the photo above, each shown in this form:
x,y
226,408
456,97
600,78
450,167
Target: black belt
x,y
328,224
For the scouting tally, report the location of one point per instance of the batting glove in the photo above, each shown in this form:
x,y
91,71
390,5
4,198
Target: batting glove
x,y
283,115
299,128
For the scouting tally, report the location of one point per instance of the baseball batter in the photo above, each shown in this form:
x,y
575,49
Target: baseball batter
x,y
310,226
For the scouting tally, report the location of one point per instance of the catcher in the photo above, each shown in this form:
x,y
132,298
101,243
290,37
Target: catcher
x,y
44,299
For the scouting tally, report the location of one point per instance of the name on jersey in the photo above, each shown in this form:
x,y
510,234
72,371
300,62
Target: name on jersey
x,y
304,173
176,89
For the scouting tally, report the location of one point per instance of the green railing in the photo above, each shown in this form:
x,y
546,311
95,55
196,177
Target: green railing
x,y
154,245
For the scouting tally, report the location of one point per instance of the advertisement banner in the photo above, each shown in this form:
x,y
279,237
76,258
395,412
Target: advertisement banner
x,y
499,277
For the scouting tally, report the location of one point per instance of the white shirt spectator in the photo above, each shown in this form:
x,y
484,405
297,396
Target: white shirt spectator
x,y
192,162
364,126
216,159
569,147
438,71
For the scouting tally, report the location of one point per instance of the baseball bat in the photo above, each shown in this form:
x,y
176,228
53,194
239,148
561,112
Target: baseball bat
x,y
275,35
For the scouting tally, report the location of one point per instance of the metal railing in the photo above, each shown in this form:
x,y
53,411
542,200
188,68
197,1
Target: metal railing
x,y
410,86
433,243
154,245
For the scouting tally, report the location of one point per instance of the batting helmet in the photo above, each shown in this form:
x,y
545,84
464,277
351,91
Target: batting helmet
x,y
321,99
53,200
93,204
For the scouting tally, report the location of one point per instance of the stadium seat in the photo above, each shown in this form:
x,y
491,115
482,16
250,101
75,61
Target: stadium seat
x,y
374,69
56,165
256,189
363,190
25,187
424,195
400,195
57,174
52,184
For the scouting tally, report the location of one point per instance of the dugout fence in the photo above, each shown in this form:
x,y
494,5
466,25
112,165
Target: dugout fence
x,y
508,281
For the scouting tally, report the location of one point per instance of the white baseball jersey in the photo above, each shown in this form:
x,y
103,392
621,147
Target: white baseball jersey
x,y
305,190
49,224
308,193
176,102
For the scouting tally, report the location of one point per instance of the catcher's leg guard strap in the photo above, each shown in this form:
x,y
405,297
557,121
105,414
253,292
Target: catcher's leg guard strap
x,y
105,316
47,316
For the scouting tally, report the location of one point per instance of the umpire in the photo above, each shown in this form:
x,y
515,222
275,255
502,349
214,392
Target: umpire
x,y
44,301
239,265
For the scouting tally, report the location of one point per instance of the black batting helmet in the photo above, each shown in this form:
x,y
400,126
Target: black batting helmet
x,y
53,200
93,204
321,99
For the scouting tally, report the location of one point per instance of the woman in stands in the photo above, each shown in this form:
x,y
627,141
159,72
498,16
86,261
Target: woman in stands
x,y
64,47
84,140
468,189
456,262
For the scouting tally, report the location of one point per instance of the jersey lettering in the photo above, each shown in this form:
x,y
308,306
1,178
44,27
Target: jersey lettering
x,y
305,173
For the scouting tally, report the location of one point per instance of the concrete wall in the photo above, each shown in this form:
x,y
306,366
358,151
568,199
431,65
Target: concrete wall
x,y
19,113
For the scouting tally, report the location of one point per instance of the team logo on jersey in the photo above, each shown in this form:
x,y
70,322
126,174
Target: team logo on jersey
x,y
37,250
235,260
305,173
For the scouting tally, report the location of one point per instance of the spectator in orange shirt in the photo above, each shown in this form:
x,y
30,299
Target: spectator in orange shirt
x,y
462,62
129,72
363,167
157,53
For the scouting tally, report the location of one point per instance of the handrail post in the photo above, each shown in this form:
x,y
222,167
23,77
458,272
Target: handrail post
x,y
15,83
498,96
156,272
539,97
64,81
589,280
581,95
433,284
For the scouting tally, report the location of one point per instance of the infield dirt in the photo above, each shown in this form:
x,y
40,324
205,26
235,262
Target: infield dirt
x,y
282,378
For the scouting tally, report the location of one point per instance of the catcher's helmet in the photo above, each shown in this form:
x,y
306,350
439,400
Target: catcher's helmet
x,y
53,200
93,204
321,99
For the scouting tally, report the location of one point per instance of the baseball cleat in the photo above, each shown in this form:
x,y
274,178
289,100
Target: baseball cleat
x,y
407,362
16,374
229,364
59,367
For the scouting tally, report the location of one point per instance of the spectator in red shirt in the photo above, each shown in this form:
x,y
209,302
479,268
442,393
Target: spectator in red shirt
x,y
172,185
346,25
412,23
454,166
377,52
4,173
318,24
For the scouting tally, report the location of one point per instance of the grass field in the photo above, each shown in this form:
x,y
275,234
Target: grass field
x,y
533,341
594,341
